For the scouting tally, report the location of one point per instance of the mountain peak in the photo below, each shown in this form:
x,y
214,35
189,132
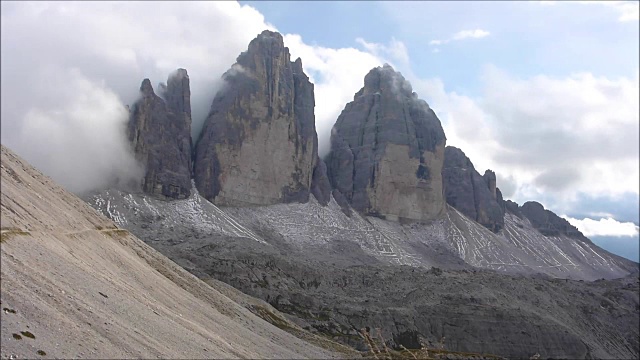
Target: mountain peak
x,y
384,79
387,150
259,144
145,88
268,35
159,130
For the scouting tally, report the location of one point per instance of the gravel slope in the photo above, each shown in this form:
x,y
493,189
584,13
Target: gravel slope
x,y
333,275
73,285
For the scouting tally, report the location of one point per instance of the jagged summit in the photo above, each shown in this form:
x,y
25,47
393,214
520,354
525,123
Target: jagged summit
x,y
146,89
473,194
259,144
159,132
387,149
384,78
177,93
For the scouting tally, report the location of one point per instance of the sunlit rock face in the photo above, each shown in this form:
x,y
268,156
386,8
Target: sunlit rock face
x,y
259,144
387,151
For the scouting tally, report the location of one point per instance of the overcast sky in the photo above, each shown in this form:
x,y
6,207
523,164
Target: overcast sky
x,y
545,94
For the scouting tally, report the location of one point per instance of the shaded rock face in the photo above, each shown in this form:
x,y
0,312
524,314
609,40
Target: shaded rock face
x,y
474,195
320,186
160,132
387,150
512,207
547,222
259,144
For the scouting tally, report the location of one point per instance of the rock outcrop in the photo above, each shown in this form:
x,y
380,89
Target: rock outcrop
x,y
387,150
474,195
160,132
320,185
259,144
547,222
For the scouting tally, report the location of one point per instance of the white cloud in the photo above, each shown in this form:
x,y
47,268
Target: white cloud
x,y
461,35
627,10
82,139
603,227
473,34
396,50
546,135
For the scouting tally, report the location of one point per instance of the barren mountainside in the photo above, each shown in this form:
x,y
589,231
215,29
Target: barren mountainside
x,y
74,285
503,293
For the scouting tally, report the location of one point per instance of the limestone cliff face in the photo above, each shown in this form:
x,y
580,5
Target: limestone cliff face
x,y
259,145
387,150
474,195
160,133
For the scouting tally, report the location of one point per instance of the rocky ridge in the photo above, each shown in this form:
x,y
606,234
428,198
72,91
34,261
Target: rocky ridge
x,y
387,151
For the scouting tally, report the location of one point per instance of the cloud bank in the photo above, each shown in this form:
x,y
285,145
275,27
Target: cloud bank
x,y
604,227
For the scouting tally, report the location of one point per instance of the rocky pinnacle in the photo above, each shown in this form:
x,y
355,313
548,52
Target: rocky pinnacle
x,y
387,150
259,144
160,134
474,195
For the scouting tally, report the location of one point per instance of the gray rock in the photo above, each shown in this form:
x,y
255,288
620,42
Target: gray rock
x,y
160,134
500,200
320,186
342,202
387,149
513,208
259,144
548,223
490,178
474,195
